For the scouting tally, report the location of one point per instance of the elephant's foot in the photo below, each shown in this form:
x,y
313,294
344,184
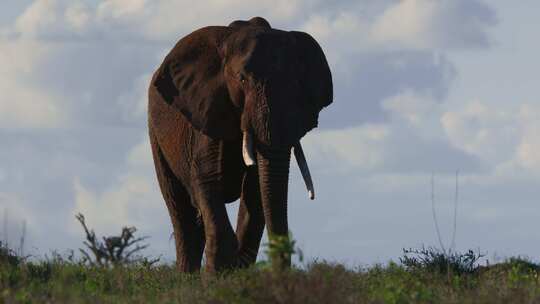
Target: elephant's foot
x,y
221,250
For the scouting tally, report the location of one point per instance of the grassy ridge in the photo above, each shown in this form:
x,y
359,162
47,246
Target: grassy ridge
x,y
60,281
425,275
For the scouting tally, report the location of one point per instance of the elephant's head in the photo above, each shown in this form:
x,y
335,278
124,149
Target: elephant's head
x,y
251,80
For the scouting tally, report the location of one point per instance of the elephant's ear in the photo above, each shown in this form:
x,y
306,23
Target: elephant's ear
x,y
191,81
316,78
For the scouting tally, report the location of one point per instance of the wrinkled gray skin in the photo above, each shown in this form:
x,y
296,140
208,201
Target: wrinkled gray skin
x,y
218,85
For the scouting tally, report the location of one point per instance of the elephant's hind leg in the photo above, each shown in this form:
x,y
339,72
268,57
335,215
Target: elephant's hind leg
x,y
187,225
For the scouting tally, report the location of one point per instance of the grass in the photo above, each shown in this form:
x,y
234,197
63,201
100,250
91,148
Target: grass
x,y
60,280
424,275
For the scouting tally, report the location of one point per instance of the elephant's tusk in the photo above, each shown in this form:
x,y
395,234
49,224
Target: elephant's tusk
x,y
302,164
247,149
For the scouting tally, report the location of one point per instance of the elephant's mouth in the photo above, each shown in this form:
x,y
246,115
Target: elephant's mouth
x,y
249,160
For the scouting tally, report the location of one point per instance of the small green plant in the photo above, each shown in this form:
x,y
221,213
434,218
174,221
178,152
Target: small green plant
x,y
280,249
433,259
113,250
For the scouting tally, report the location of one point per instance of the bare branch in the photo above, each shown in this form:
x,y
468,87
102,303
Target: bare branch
x,y
435,214
456,199
113,250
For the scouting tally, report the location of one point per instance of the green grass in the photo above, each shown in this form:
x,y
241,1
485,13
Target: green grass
x,y
425,275
61,281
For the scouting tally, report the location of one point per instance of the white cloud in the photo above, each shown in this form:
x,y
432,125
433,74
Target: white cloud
x,y
528,155
399,25
423,135
356,148
346,29
121,9
490,133
141,155
411,141
53,19
167,19
38,17
26,107
429,24
409,23
411,107
133,199
23,104
78,17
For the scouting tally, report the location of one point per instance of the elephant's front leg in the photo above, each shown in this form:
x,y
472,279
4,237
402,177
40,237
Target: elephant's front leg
x,y
250,224
208,190
221,243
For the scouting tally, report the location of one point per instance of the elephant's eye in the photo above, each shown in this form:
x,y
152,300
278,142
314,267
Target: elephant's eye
x,y
242,77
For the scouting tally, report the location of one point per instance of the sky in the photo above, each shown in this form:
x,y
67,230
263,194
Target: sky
x,y
422,88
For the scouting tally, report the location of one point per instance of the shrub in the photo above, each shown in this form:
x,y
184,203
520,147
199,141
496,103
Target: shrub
x,y
114,250
8,256
433,259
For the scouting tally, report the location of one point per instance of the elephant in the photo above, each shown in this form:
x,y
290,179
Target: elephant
x,y
226,107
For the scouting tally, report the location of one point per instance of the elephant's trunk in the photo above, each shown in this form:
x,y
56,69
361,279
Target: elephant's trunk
x,y
273,166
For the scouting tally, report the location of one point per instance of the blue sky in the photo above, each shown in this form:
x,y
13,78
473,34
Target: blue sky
x,y
422,87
